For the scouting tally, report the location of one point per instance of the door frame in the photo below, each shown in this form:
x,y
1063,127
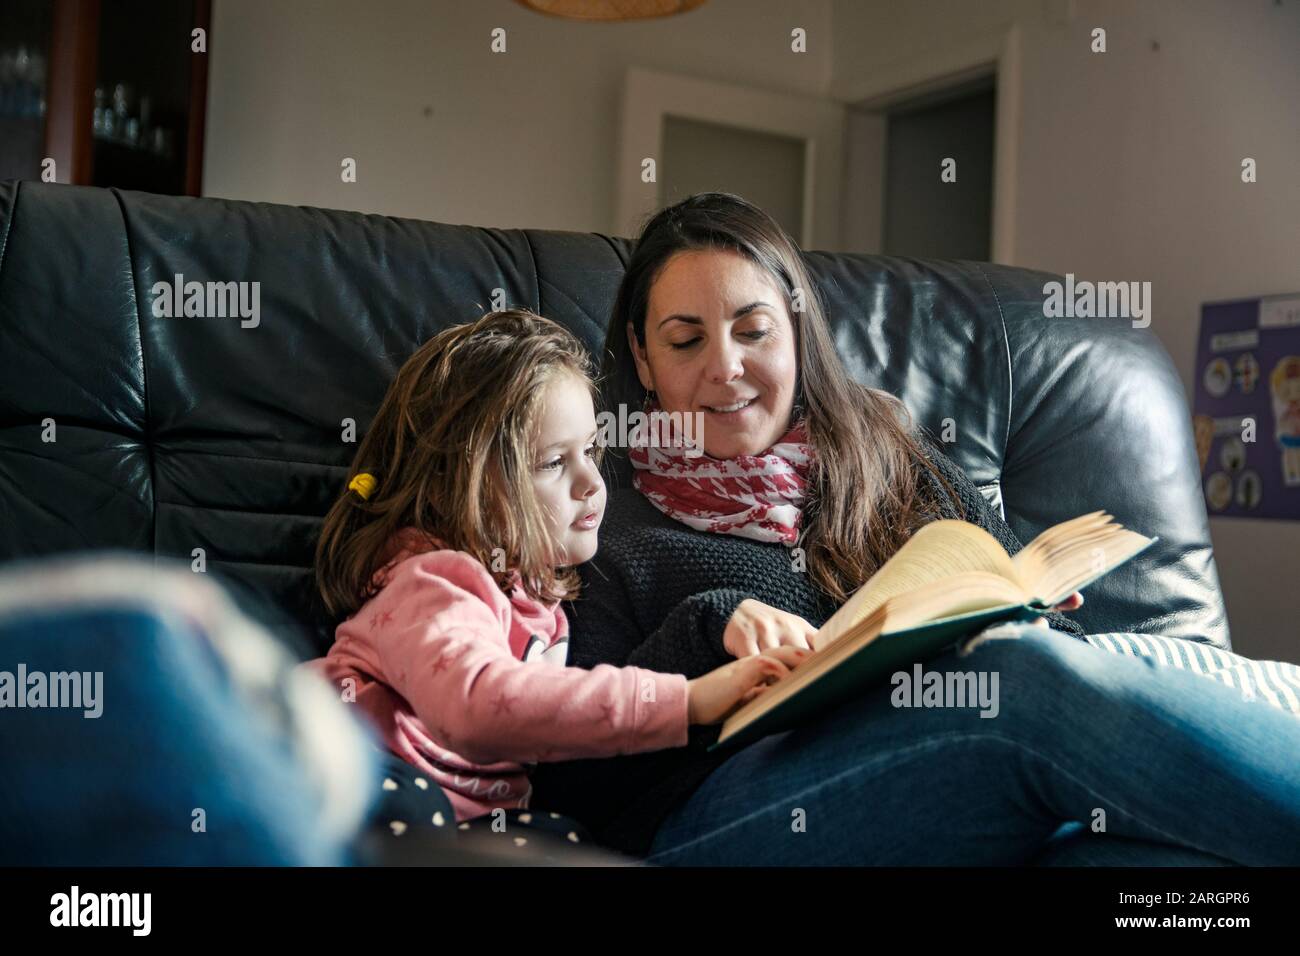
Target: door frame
x,y
873,93
650,95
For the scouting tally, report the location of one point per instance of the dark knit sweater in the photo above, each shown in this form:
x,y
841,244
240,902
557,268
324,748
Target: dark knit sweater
x,y
658,595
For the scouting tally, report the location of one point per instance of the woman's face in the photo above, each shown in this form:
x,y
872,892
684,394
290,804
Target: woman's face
x,y
719,340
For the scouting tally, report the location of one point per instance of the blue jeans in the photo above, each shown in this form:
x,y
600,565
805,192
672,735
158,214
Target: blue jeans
x,y
1155,766
192,741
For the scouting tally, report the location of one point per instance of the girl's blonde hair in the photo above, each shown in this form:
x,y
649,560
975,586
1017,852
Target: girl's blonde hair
x,y
451,449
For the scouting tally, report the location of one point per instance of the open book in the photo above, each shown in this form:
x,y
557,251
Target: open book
x,y
950,579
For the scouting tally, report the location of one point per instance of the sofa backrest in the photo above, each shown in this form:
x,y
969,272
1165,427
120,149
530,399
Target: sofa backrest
x,y
173,434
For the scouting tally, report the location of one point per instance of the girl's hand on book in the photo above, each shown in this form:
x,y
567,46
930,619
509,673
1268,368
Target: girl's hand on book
x,y
755,627
1072,603
713,697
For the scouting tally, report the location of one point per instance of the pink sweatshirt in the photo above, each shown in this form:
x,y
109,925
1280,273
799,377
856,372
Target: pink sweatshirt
x,y
469,684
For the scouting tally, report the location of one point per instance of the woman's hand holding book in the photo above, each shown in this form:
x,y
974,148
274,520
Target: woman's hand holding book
x,y
754,627
1072,603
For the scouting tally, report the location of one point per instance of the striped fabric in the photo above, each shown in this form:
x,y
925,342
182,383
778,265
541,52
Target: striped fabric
x,y
1274,682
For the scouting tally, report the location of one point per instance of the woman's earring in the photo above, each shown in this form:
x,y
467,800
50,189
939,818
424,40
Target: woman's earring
x,y
650,397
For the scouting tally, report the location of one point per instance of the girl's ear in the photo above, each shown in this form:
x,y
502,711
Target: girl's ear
x,y
639,357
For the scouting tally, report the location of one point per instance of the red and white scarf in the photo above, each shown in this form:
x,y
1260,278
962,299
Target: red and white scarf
x,y
751,496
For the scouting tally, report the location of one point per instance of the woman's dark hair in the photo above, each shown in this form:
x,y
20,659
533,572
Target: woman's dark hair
x,y
867,496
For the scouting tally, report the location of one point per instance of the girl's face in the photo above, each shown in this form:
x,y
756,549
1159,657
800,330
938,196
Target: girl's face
x,y
719,340
565,476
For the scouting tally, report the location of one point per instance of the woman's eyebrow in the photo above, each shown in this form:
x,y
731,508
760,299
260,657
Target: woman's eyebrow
x,y
743,311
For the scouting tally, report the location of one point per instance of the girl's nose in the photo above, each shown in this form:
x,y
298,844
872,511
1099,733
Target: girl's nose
x,y
590,481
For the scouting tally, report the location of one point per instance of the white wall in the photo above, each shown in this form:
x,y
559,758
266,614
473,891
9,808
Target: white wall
x,y
1129,169
528,138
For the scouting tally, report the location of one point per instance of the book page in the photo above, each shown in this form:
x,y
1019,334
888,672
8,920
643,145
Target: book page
x,y
958,594
1074,553
1075,568
1035,557
938,550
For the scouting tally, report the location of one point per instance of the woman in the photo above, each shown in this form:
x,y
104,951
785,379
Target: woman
x,y
716,315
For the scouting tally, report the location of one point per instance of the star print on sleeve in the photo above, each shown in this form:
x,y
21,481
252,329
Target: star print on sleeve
x,y
449,657
607,713
502,703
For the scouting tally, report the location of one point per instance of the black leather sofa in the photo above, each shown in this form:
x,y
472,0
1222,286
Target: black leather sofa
x,y
179,433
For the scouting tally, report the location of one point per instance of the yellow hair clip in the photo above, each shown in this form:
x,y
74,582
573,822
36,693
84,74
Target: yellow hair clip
x,y
363,484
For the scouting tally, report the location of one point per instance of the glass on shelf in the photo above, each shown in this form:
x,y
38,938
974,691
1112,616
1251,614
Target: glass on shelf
x,y
162,142
116,121
100,113
123,100
22,83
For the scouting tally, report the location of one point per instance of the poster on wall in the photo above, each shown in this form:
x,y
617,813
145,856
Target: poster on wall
x,y
1246,416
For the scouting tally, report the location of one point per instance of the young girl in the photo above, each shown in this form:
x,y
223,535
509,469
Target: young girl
x,y
472,497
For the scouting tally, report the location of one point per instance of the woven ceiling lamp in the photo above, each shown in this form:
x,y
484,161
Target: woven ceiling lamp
x,y
610,9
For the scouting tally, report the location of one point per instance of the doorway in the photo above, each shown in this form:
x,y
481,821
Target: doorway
x,y
938,182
